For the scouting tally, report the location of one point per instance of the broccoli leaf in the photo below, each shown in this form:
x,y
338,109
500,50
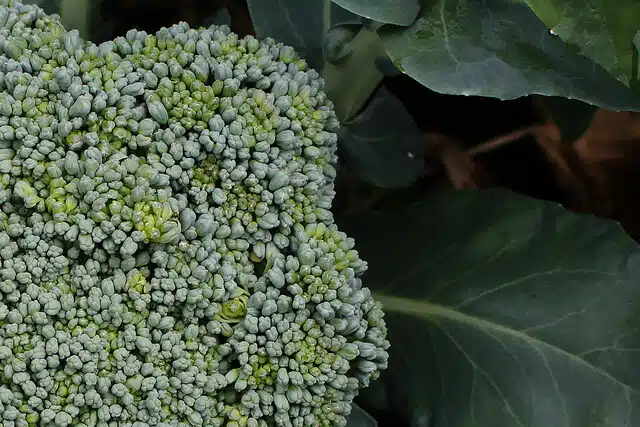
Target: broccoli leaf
x,y
337,43
383,144
398,12
602,30
351,81
505,311
301,25
359,418
386,67
293,23
498,48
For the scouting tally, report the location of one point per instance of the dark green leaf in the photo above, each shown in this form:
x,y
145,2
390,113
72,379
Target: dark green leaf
x,y
505,311
571,116
351,81
300,24
498,48
386,66
292,22
383,144
359,418
398,12
336,45
601,30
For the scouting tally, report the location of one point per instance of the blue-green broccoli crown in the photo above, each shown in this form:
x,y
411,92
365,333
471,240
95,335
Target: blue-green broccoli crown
x,y
168,254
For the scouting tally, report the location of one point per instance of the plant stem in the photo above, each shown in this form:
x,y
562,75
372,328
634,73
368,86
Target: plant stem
x,y
350,83
502,140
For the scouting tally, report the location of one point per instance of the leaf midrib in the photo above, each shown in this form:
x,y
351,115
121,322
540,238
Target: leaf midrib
x,y
427,310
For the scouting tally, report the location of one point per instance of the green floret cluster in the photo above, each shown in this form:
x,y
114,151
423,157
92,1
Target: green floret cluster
x,y
168,256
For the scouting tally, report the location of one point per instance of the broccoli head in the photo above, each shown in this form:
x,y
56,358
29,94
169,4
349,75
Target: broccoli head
x,y
168,256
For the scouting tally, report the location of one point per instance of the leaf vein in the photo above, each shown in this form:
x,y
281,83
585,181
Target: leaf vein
x,y
516,361
589,305
490,259
555,383
522,279
445,32
425,309
483,372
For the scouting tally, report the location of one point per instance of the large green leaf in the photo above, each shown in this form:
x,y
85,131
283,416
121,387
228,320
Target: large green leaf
x,y
351,81
602,30
301,24
498,48
399,12
504,311
383,144
290,22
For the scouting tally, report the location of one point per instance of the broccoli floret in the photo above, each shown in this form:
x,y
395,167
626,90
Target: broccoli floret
x,y
168,256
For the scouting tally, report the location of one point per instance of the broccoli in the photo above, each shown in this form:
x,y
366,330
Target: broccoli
x,y
168,254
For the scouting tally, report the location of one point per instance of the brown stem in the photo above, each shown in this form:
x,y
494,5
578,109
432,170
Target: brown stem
x,y
502,140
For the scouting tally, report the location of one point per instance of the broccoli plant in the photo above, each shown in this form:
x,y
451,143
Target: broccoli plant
x,y
169,255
